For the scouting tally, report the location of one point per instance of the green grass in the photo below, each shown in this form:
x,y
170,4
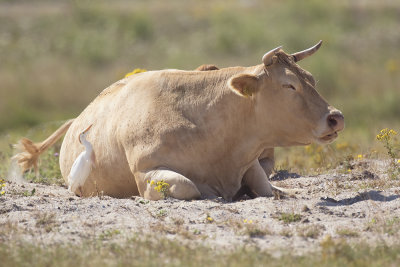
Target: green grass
x,y
52,68
138,252
49,171
289,217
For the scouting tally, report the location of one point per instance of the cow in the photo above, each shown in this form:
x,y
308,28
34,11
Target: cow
x,y
205,134
207,67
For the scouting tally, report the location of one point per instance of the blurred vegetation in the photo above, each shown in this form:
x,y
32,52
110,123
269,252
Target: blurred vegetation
x,y
148,251
56,56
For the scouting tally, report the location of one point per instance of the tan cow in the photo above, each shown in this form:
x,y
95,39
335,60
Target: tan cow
x,y
205,133
207,67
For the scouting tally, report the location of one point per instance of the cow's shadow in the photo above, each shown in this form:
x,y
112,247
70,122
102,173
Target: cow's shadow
x,y
283,175
370,195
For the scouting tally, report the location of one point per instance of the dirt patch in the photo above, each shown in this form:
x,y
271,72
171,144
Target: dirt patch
x,y
332,204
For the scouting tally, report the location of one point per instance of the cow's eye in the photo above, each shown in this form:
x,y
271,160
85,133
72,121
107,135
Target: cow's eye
x,y
289,86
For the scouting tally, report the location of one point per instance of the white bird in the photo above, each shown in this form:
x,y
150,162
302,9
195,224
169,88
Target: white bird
x,y
83,164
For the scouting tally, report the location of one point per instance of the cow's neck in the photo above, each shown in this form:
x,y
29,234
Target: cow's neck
x,y
229,119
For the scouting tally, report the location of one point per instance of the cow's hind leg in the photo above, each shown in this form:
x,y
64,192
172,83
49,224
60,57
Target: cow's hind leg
x,y
267,161
161,183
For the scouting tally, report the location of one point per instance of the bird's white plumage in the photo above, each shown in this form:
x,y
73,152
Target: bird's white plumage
x,y
82,166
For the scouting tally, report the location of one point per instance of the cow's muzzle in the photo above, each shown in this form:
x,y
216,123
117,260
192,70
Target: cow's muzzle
x,y
335,123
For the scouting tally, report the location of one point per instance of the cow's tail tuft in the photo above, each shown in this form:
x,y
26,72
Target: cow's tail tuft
x,y
29,157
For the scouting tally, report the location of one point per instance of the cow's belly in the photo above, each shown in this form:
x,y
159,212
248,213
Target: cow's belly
x,y
114,186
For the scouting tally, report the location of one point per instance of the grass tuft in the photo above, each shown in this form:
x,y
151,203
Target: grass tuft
x,y
289,217
162,252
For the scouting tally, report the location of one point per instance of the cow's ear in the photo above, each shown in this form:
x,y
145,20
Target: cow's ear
x,y
244,84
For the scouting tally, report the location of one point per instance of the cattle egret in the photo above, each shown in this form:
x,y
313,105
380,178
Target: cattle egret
x,y
83,164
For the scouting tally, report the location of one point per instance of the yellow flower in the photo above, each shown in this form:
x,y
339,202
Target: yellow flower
x,y
359,156
2,192
134,72
342,145
308,149
210,219
152,183
398,161
348,170
391,66
386,134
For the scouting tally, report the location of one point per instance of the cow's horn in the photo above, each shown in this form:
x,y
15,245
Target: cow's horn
x,y
267,58
305,53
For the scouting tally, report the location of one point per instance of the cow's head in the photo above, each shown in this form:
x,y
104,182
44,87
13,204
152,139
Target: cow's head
x,y
285,100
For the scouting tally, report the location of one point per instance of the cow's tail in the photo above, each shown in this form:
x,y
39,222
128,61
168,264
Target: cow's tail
x,y
31,151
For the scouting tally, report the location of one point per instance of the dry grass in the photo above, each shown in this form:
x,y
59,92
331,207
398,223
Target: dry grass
x,y
162,252
256,230
347,232
385,224
286,232
310,231
177,229
46,221
8,230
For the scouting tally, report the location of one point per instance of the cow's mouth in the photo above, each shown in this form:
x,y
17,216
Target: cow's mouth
x,y
326,139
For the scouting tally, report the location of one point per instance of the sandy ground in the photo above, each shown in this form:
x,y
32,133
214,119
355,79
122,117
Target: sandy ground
x,y
341,205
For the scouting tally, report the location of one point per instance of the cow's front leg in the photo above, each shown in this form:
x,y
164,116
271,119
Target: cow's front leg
x,y
161,183
257,181
267,160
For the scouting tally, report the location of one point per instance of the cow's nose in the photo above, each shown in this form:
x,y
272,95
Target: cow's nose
x,y
336,121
